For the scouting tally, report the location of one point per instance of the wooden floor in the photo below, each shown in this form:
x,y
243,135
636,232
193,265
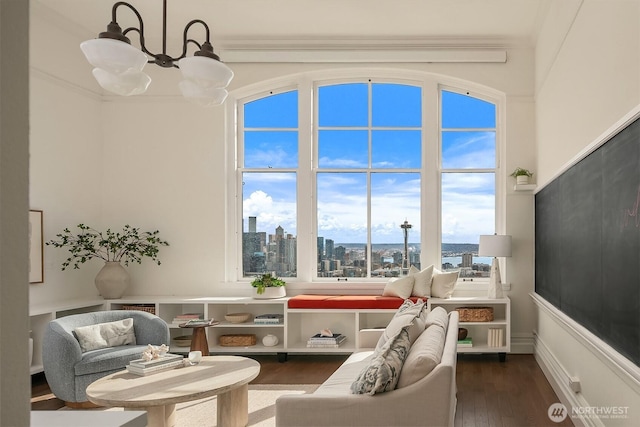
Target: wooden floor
x,y
514,393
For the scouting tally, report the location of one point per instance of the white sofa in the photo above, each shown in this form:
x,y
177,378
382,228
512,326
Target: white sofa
x,y
429,401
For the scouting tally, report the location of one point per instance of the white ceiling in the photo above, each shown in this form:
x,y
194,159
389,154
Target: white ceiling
x,y
316,22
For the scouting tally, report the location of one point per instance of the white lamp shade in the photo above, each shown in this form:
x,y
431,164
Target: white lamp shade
x,y
125,84
114,56
206,72
494,245
203,96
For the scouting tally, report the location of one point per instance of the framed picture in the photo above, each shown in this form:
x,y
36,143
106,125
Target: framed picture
x,y
36,249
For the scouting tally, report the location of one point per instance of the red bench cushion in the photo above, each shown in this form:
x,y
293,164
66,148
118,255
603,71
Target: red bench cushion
x,y
346,301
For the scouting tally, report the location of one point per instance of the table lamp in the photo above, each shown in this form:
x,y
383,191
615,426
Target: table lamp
x,y
495,246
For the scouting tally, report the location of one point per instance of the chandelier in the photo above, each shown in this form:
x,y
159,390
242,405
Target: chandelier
x,y
118,65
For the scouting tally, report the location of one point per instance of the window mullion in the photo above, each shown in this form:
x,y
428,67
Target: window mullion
x,y
430,195
306,181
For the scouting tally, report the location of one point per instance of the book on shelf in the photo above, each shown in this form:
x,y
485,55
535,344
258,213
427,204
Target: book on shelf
x,y
318,337
268,319
185,317
153,369
199,322
167,358
495,337
467,342
326,342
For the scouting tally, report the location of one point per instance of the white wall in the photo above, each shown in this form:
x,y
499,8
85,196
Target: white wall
x,y
592,82
161,163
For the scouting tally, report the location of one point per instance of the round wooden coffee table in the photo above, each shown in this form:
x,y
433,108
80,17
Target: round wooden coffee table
x,y
157,393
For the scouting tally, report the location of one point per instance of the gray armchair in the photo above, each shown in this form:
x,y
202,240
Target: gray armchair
x,y
69,371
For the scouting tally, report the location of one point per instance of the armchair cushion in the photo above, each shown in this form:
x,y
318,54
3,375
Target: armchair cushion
x,y
102,335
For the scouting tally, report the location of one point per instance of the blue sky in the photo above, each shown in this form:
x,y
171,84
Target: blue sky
x,y
271,142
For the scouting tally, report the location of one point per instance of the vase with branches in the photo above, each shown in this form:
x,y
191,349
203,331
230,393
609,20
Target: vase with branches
x,y
114,248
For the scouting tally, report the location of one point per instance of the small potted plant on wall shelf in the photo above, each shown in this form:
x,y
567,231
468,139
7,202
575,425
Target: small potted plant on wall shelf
x,y
268,286
522,176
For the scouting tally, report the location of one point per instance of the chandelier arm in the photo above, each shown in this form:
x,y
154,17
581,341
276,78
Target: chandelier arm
x,y
140,30
185,40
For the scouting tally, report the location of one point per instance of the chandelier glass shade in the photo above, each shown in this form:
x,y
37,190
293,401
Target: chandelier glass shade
x,y
118,65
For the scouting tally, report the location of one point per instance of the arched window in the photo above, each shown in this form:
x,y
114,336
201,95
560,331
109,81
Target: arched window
x,y
363,178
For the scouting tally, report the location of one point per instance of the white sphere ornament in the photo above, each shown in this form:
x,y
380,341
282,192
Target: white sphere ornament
x,y
270,340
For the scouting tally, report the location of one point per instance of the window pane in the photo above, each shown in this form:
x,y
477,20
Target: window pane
x,y
270,149
343,105
275,111
464,150
342,224
343,149
396,149
396,105
468,210
462,111
269,224
395,198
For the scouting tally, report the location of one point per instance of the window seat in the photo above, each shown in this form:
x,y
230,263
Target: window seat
x,y
345,302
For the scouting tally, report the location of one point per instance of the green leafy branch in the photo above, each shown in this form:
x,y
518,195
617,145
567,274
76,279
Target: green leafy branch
x,y
128,246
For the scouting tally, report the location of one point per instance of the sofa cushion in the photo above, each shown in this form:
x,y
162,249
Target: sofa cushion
x,y
399,287
442,284
383,371
410,315
340,381
437,316
424,355
108,359
421,281
109,334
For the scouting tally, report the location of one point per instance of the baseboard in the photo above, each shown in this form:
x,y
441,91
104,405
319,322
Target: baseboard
x,y
522,344
558,377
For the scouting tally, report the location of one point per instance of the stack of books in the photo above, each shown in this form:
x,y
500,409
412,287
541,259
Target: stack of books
x,y
319,341
198,322
465,343
146,367
495,337
268,319
185,317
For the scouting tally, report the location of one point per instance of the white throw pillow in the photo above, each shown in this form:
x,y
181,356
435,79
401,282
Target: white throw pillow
x,y
424,355
443,283
401,287
422,282
437,316
383,371
104,335
409,315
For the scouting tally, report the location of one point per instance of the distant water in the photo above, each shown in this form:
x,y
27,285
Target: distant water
x,y
447,248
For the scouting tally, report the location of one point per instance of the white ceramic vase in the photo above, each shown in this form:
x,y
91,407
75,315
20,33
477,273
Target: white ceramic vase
x,y
270,340
522,179
270,293
112,280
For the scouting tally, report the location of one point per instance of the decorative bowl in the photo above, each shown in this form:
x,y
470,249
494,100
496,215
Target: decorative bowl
x,y
462,333
182,341
237,317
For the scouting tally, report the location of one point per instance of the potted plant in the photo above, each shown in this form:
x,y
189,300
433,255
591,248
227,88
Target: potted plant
x,y
268,286
521,175
113,248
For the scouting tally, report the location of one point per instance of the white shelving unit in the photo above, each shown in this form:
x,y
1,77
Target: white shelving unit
x,y
479,331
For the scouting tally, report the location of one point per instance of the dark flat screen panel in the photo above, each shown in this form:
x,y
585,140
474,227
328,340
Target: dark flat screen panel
x,y
588,242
